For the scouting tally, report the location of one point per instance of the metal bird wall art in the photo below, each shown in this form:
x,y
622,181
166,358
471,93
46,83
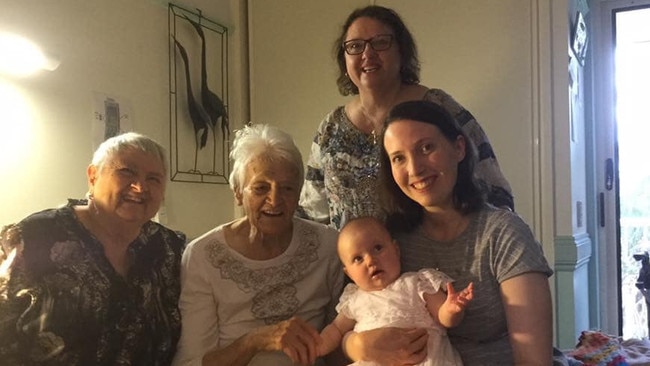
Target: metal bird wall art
x,y
198,115
211,102
203,110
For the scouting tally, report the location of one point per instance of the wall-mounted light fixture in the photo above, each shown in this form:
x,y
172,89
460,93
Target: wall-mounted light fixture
x,y
21,57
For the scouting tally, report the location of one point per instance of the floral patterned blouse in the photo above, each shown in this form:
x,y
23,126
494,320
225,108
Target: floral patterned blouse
x,y
62,303
343,166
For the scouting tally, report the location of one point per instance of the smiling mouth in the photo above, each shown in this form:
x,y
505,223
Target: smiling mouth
x,y
137,200
369,69
272,213
422,184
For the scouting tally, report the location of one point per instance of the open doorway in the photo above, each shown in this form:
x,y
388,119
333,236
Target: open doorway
x,y
632,82
622,116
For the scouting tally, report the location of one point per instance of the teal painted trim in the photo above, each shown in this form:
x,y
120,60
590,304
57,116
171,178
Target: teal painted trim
x,y
572,252
572,255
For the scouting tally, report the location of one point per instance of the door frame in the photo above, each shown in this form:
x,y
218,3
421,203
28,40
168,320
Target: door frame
x,y
603,225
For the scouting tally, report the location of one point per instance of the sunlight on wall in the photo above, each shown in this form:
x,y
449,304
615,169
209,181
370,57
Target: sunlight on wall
x,y
15,126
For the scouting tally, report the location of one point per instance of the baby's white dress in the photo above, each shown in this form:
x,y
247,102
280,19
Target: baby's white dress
x,y
401,305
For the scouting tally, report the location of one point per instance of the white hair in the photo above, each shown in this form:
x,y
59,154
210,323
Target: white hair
x,y
128,140
262,140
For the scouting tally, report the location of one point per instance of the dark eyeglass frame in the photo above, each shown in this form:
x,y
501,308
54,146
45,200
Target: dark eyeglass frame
x,y
369,41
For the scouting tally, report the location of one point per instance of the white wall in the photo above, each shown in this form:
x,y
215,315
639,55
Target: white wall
x,y
293,74
117,47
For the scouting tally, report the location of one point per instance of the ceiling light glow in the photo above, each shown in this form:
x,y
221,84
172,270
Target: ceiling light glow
x,y
22,57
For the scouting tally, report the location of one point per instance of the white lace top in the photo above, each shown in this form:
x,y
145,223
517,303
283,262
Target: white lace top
x,y
401,304
225,295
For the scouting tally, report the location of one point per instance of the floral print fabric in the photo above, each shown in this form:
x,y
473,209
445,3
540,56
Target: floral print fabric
x,y
62,303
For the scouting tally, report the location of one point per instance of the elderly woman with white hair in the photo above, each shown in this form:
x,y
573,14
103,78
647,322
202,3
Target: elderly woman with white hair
x,y
256,291
95,282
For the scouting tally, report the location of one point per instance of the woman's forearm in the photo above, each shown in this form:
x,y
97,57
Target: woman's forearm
x,y
295,337
392,346
351,345
528,306
238,353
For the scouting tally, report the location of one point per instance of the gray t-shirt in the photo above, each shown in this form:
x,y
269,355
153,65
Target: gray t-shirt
x,y
497,245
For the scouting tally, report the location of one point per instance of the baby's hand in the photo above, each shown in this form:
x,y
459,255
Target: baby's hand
x,y
457,301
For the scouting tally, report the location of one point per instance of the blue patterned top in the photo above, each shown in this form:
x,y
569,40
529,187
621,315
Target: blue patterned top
x,y
343,166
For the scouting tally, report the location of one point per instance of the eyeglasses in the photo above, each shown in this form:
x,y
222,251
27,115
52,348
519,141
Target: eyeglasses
x,y
380,42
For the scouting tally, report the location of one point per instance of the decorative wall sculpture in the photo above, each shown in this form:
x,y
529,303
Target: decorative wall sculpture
x,y
198,98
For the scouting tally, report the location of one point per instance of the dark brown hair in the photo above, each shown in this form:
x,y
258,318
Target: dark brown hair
x,y
405,214
410,65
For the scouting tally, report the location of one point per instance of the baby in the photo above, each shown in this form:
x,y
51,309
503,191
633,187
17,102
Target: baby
x,y
381,297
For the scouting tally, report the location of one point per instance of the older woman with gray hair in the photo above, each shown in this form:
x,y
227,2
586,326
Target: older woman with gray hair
x,y
256,290
95,282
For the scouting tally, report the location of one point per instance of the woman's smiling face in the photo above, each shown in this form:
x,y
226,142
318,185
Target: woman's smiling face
x,y
130,185
372,69
424,163
270,195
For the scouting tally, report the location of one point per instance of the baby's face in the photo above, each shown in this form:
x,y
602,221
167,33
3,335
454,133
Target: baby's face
x,y
369,256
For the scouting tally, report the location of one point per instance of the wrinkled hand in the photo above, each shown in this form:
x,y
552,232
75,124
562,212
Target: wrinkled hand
x,y
394,346
456,302
295,337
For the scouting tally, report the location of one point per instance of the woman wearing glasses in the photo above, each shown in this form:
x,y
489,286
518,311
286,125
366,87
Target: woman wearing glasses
x,y
379,67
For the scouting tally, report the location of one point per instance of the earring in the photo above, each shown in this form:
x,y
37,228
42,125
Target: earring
x,y
346,75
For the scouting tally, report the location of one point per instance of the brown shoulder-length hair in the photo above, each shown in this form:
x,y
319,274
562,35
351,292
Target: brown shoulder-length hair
x,y
410,65
404,214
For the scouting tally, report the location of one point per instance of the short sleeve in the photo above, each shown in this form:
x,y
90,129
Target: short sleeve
x,y
431,281
515,249
348,294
